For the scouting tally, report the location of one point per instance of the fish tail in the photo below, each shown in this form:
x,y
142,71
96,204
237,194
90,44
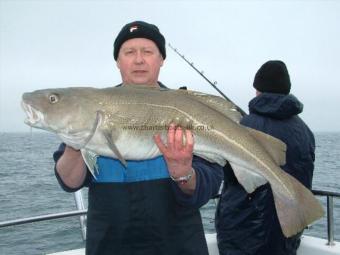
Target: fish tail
x,y
297,208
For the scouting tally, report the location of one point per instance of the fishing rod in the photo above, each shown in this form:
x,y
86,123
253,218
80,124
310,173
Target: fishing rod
x,y
213,84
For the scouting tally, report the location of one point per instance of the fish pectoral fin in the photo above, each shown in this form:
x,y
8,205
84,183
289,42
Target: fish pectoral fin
x,y
96,123
110,141
275,147
247,178
90,159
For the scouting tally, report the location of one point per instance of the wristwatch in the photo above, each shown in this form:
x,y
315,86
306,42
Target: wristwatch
x,y
183,179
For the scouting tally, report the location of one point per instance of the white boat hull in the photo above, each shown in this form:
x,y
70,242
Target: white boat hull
x,y
309,246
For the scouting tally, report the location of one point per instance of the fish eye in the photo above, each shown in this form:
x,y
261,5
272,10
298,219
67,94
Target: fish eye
x,y
53,98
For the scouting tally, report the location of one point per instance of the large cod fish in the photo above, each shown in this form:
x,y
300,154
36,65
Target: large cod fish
x,y
120,122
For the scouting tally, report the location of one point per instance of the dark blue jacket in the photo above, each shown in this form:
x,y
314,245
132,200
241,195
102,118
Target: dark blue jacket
x,y
152,216
247,223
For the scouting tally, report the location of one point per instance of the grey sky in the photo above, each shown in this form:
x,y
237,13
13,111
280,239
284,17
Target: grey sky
x,y
45,44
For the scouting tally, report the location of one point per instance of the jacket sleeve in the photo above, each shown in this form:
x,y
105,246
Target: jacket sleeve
x,y
208,181
56,156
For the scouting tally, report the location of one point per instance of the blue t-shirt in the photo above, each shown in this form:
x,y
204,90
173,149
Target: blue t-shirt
x,y
112,170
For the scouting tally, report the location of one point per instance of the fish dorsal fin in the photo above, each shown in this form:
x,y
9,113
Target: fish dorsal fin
x,y
275,147
217,103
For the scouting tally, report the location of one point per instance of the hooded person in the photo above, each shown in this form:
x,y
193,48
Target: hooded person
x,y
248,223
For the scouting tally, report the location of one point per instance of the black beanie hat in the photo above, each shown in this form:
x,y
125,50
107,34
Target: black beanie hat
x,y
139,29
272,77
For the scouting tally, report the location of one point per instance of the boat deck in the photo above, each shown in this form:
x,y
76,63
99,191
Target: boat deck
x,y
309,246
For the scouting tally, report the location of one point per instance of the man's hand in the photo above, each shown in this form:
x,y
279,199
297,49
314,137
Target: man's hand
x,y
178,155
71,167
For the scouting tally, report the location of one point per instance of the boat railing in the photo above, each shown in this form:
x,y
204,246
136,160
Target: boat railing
x,y
81,212
330,210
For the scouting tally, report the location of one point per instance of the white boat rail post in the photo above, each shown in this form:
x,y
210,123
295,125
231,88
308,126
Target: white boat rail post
x,y
330,215
216,198
330,221
78,197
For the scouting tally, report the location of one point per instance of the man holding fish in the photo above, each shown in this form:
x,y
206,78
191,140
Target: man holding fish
x,y
143,206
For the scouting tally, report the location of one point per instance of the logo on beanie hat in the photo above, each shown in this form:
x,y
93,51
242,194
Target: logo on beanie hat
x,y
133,28
272,77
139,29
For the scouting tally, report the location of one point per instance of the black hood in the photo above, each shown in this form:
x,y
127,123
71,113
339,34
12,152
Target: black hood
x,y
277,106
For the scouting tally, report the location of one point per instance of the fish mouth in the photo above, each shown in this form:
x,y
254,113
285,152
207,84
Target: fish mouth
x,y
35,118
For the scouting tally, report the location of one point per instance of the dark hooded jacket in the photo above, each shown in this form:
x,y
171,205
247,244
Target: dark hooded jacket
x,y
247,223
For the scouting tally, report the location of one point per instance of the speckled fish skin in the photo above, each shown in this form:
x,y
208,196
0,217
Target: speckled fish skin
x,y
120,122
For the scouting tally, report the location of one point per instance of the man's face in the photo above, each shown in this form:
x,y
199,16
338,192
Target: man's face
x,y
139,62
